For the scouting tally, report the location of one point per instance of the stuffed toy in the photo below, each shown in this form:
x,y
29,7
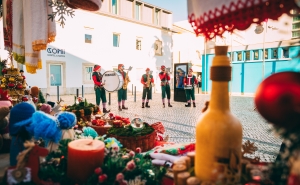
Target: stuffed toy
x,y
20,118
52,129
27,167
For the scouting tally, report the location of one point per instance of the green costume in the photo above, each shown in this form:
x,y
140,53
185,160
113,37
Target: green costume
x,y
147,91
190,93
165,87
99,90
122,93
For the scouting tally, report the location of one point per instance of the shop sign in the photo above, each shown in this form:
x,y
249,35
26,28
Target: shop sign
x,y
55,52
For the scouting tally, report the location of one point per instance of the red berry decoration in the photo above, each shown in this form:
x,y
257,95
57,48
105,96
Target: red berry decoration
x,y
94,122
24,98
277,99
119,177
4,71
138,150
98,171
131,153
102,178
35,100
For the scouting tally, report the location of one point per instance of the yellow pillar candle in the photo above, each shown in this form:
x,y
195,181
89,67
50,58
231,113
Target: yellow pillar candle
x,y
218,132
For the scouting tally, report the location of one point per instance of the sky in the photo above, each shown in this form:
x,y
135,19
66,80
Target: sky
x,y
177,7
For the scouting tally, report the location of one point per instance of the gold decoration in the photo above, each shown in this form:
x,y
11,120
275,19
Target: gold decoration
x,y
3,86
20,78
3,80
11,79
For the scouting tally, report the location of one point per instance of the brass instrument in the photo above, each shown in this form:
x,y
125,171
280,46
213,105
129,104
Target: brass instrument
x,y
126,81
148,83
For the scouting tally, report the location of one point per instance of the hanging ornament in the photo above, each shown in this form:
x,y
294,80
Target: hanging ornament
x,y
19,86
3,80
35,99
11,79
24,98
277,99
4,71
20,78
11,85
60,10
3,86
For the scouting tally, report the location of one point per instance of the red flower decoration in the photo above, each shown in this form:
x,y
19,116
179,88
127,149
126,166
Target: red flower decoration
x,y
119,177
131,153
130,165
98,171
138,150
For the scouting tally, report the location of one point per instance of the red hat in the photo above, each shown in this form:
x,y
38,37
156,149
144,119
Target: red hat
x,y
162,67
96,67
191,69
120,65
147,69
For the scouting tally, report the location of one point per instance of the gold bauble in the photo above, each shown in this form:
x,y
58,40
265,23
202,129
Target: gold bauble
x,y
3,86
24,86
11,79
3,80
20,78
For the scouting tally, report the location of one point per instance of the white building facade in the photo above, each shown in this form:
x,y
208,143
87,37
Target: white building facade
x,y
126,32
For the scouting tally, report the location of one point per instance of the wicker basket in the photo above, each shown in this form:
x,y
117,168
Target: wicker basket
x,y
100,130
146,142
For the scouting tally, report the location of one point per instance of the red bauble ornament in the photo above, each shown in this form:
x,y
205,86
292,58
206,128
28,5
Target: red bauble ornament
x,y
24,98
102,178
35,99
277,99
19,86
11,85
94,122
4,71
138,150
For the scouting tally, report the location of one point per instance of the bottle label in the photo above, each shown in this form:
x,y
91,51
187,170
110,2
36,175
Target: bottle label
x,y
227,170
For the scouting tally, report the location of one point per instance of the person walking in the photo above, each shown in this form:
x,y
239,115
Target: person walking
x,y
147,81
190,81
165,86
98,87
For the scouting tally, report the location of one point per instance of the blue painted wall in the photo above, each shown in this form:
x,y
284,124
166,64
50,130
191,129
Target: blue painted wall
x,y
247,74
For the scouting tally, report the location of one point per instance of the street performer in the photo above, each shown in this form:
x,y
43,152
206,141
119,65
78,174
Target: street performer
x,y
165,86
98,87
190,81
122,93
147,80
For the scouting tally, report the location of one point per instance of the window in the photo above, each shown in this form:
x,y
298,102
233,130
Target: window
x,y
88,38
88,71
116,40
114,8
256,55
157,16
296,25
239,56
295,34
274,54
247,55
296,18
285,52
266,54
55,75
138,11
158,47
138,44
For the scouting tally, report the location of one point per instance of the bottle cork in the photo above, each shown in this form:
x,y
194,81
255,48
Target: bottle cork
x,y
191,155
187,161
193,181
177,169
182,178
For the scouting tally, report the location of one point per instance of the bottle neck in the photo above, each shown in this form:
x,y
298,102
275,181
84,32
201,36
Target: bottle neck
x,y
219,99
219,92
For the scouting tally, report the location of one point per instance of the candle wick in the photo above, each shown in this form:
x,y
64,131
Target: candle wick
x,y
90,143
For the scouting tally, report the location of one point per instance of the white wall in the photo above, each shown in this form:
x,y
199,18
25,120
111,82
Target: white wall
x,y
101,51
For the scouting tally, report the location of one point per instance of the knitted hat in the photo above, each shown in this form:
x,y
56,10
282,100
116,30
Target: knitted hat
x,y
162,67
147,69
120,65
96,67
46,108
20,115
66,120
34,91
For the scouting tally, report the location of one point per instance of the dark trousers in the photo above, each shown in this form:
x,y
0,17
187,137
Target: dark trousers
x,y
100,95
122,94
190,93
147,92
165,89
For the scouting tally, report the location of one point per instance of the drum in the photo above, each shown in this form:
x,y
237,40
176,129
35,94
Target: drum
x,y
188,87
113,81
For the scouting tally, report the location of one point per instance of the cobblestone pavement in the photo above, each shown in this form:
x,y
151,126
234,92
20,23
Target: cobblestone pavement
x,y
180,121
